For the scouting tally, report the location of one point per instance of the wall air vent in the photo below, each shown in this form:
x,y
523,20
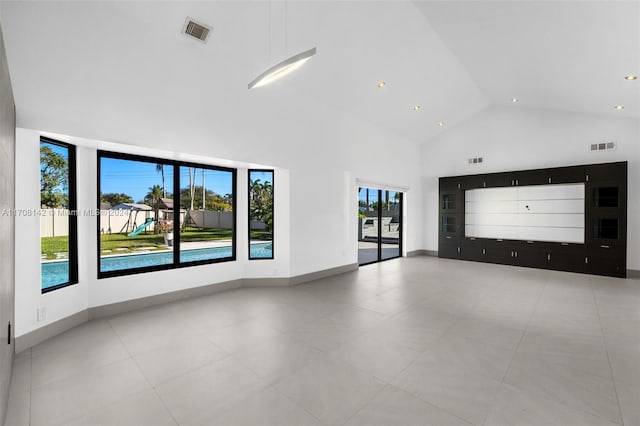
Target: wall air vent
x,y
603,146
475,160
196,29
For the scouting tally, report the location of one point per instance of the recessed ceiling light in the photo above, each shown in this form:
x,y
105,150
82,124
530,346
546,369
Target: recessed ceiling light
x,y
416,108
381,84
441,123
631,77
619,107
514,100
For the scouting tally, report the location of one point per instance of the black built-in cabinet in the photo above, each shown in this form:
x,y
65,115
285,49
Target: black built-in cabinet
x,y
604,251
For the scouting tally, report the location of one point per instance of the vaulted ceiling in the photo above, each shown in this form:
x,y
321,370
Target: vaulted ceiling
x,y
74,64
566,55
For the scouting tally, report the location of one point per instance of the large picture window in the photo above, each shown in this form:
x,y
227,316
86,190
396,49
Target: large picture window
x,y
260,214
58,220
207,200
159,214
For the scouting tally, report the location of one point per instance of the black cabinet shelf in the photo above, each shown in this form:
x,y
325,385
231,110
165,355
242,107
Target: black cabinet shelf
x,y
604,249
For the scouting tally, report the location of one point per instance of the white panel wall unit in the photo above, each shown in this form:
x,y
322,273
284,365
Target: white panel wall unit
x,y
537,213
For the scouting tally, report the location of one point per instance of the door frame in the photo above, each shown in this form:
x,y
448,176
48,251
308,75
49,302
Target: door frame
x,y
379,257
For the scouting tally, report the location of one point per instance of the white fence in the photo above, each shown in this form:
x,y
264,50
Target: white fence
x,y
211,219
257,225
55,222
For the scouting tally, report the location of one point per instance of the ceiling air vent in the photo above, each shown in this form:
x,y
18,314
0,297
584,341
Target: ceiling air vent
x,y
196,29
475,160
603,146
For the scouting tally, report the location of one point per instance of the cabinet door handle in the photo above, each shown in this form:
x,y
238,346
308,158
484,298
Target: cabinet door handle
x,y
511,254
484,251
586,260
604,246
458,249
516,254
448,236
516,182
548,257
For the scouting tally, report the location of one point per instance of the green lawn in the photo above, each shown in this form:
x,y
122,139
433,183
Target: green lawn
x,y
261,235
52,245
205,234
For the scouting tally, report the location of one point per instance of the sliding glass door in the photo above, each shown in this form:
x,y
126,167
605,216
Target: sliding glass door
x,y
379,225
391,213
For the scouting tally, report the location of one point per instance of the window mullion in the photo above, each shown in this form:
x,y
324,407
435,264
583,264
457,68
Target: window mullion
x,y
176,215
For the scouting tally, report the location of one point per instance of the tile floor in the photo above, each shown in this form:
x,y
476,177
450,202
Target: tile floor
x,y
418,341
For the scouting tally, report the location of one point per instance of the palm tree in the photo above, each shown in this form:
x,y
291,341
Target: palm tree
x,y
261,202
153,199
204,193
192,186
153,196
160,169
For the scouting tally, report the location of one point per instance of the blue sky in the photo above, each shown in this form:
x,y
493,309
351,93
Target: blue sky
x,y
134,178
262,176
373,195
57,149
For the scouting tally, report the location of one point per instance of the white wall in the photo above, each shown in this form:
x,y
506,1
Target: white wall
x,y
61,303
516,138
315,201
7,225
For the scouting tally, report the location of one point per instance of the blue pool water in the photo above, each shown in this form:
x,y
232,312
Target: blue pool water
x,y
55,273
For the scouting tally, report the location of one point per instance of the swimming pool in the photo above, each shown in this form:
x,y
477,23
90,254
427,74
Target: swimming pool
x,y
55,273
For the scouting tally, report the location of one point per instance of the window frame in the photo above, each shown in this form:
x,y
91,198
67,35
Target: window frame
x,y
175,264
176,213
273,186
73,216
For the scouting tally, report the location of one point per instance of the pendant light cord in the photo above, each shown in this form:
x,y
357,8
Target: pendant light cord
x,y
270,33
286,29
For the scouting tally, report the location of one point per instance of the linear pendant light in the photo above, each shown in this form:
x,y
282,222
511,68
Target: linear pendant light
x,y
283,68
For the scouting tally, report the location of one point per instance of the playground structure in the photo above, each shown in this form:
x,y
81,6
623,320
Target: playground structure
x,y
142,227
130,217
127,218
